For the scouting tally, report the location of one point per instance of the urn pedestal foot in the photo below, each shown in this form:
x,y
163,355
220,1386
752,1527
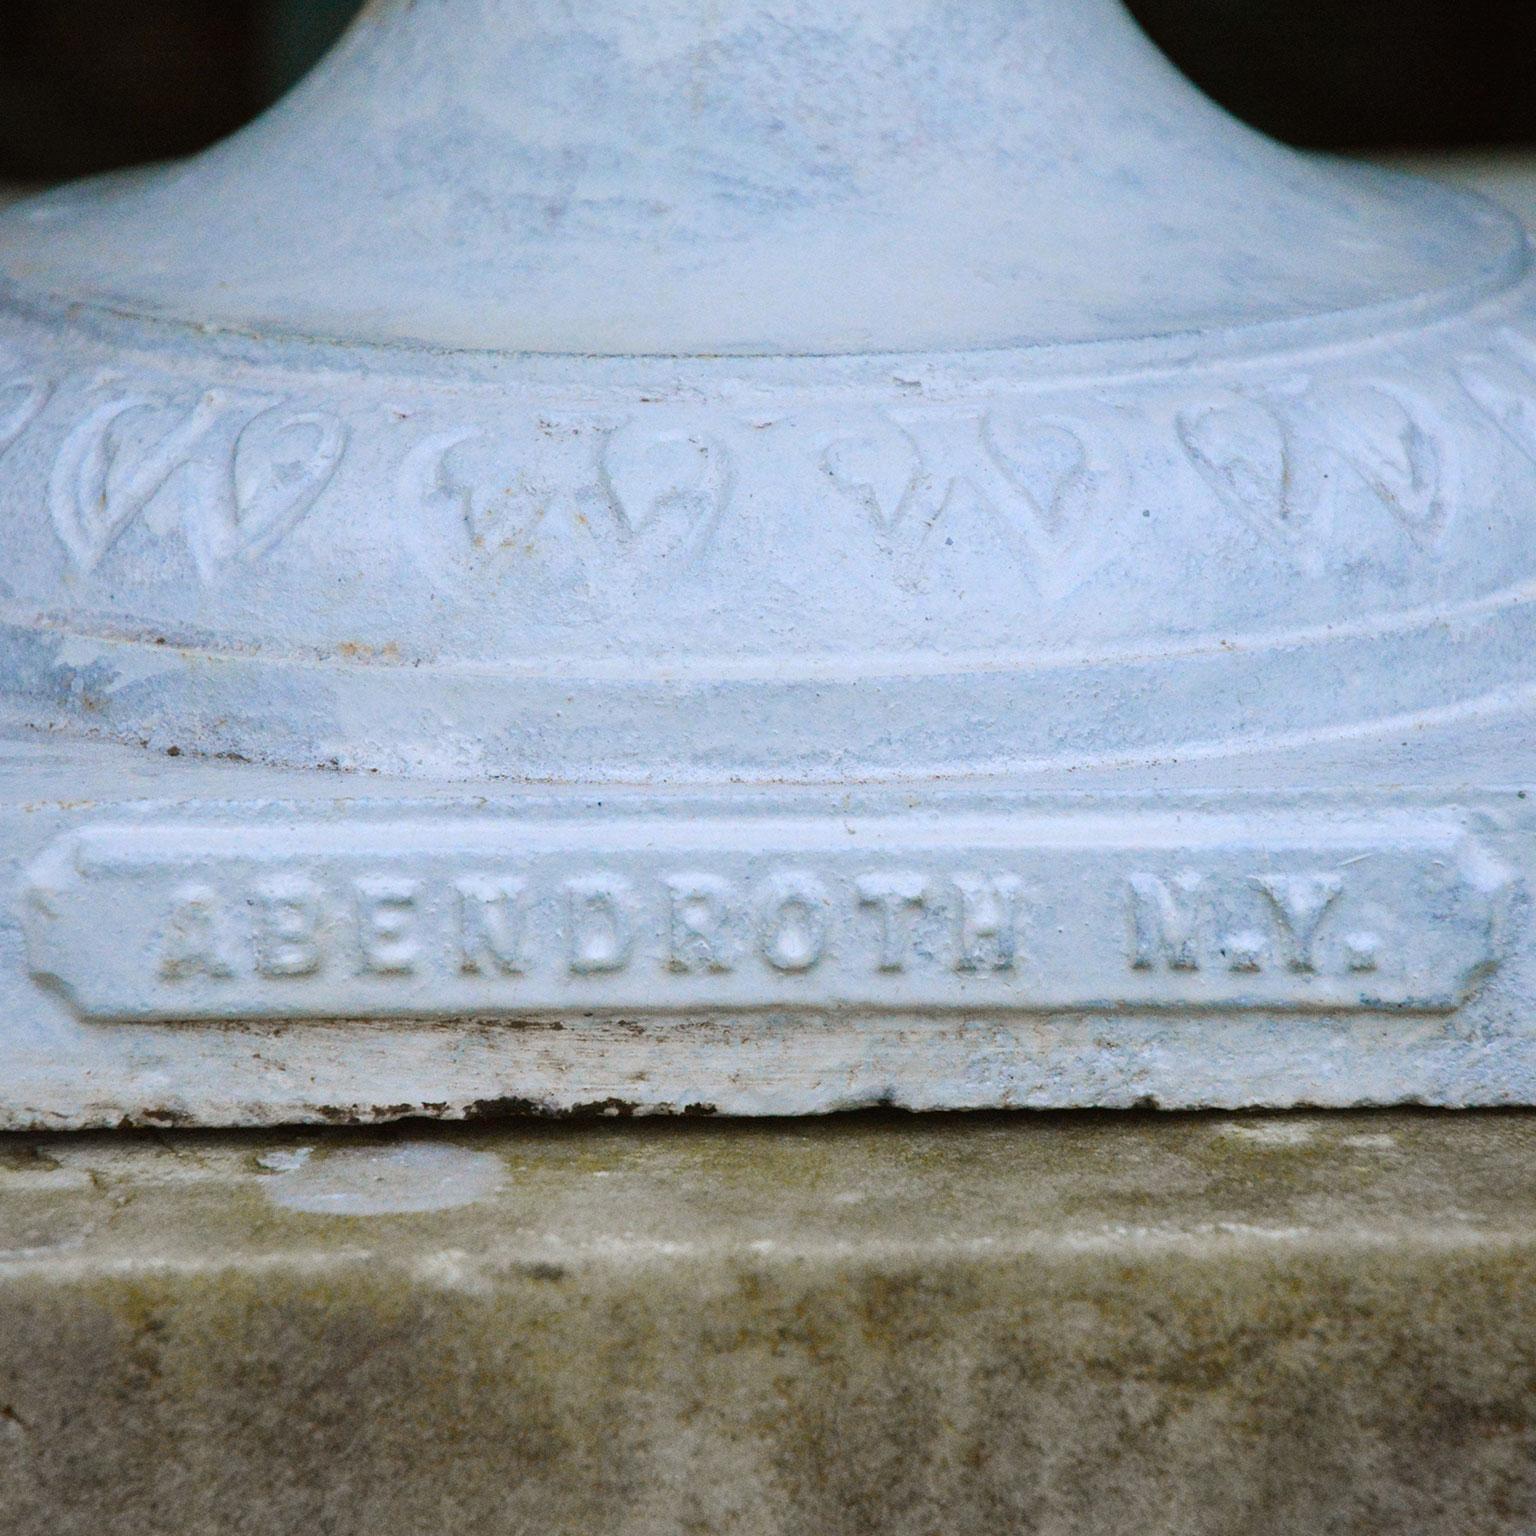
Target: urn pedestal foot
x,y
765,556
202,942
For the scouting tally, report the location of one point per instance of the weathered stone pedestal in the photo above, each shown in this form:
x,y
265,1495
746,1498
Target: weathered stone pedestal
x,y
1062,1326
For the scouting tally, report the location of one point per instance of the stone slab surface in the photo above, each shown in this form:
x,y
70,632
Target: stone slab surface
x,y
1073,1326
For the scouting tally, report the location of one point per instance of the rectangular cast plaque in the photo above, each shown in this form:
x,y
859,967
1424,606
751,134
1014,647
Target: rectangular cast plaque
x,y
425,918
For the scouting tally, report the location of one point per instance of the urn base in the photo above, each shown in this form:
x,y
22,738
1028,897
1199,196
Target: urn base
x,y
205,943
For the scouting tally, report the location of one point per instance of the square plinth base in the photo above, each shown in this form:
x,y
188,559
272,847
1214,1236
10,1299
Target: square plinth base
x,y
189,943
1070,1326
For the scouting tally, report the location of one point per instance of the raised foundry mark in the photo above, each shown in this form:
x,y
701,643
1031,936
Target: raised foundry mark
x,y
490,921
252,469
600,935
1180,922
895,899
417,919
792,921
713,926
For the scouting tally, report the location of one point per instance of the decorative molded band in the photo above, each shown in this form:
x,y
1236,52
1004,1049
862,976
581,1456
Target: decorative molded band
x,y
812,723
229,470
569,591
419,918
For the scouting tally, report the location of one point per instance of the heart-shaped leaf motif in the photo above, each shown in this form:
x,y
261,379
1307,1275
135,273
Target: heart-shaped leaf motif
x,y
877,468
1243,452
668,488
86,515
1384,441
498,488
1047,464
1506,394
21,402
429,476
113,463
1053,493
282,462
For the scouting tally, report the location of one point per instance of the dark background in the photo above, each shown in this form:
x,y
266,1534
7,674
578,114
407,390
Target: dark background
x,y
87,85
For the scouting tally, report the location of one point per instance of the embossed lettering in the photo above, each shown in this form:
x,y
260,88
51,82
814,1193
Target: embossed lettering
x,y
1363,951
893,898
418,918
1301,902
1245,951
792,922
196,940
491,923
1163,922
601,932
286,914
387,916
988,923
699,911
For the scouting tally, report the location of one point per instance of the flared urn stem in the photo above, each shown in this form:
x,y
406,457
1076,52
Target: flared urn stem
x,y
743,177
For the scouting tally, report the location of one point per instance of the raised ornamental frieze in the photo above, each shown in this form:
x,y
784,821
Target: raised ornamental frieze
x,y
879,467
1505,391
1039,480
1064,481
668,489
251,470
234,472
107,472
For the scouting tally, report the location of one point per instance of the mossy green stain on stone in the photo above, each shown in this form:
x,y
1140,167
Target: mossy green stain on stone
x,y
1082,1324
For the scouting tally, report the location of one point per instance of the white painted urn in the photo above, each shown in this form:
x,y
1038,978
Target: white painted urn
x,y
763,557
